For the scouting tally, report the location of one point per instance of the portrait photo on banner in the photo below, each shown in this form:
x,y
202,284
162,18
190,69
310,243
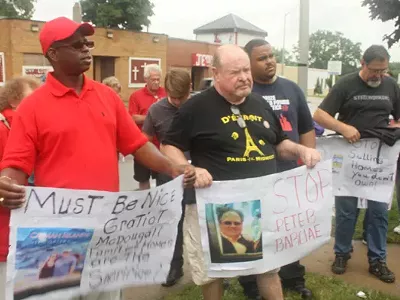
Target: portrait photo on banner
x,y
234,231
49,259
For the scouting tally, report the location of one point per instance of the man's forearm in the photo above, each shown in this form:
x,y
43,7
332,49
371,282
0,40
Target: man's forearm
x,y
139,119
175,154
15,174
289,150
308,139
149,156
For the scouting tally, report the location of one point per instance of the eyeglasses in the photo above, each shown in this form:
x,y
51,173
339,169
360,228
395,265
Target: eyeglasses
x,y
78,45
240,121
230,223
378,72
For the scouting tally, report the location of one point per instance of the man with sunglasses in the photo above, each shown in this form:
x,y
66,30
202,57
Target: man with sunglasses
x,y
290,106
364,100
70,129
231,134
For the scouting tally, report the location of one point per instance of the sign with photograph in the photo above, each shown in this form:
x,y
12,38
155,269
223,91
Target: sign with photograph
x,y
136,70
260,224
2,69
66,243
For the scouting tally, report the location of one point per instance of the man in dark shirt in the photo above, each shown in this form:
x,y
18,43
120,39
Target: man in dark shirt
x,y
290,106
364,100
231,134
156,125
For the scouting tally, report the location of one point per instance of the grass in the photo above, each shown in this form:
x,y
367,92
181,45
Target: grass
x,y
324,288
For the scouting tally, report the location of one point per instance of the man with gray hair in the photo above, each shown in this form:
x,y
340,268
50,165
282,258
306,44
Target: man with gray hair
x,y
364,100
139,104
239,148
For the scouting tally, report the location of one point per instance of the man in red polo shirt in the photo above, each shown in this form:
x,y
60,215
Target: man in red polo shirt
x,y
70,129
139,104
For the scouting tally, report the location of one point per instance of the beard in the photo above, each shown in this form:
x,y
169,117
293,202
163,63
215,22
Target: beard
x,y
374,83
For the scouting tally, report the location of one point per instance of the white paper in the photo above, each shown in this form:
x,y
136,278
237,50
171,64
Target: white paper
x,y
290,210
113,239
357,169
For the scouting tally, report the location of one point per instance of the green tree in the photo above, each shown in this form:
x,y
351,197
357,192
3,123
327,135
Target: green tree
x,y
394,67
327,45
17,8
124,14
289,60
386,10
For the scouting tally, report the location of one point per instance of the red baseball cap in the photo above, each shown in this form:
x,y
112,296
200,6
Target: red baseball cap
x,y
60,29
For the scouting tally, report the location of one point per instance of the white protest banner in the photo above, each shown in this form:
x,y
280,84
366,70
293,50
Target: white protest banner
x,y
366,169
66,243
255,225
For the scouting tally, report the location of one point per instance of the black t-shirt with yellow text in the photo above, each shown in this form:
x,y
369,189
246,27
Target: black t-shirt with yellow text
x,y
207,127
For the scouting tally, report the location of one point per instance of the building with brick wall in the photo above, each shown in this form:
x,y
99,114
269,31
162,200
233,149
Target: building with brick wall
x,y
119,53
192,56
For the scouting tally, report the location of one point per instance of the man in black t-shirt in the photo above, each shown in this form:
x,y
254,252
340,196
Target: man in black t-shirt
x,y
231,133
156,125
290,106
364,100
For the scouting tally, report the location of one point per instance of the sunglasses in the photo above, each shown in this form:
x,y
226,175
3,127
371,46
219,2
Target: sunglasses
x,y
78,45
239,119
229,223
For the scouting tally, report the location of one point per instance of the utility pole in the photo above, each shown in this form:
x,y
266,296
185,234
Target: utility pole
x,y
283,45
304,45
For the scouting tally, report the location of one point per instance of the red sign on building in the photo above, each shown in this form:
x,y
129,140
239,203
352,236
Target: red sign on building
x,y
201,60
136,70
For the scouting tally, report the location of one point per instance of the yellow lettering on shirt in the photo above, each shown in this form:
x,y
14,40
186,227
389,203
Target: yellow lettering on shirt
x,y
247,118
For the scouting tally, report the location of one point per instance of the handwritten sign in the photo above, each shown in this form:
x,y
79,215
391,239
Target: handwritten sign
x,y
365,169
66,243
260,224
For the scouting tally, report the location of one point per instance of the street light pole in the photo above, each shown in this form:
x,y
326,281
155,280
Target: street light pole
x,y
304,45
283,45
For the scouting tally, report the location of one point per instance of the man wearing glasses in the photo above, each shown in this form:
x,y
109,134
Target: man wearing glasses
x,y
364,100
70,129
231,134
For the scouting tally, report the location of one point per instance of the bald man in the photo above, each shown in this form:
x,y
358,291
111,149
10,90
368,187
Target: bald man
x,y
226,144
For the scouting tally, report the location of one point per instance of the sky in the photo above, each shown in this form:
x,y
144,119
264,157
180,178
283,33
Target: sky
x,y
178,18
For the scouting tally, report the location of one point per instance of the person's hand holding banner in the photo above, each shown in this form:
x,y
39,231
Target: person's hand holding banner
x,y
12,196
203,178
188,172
350,133
309,156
